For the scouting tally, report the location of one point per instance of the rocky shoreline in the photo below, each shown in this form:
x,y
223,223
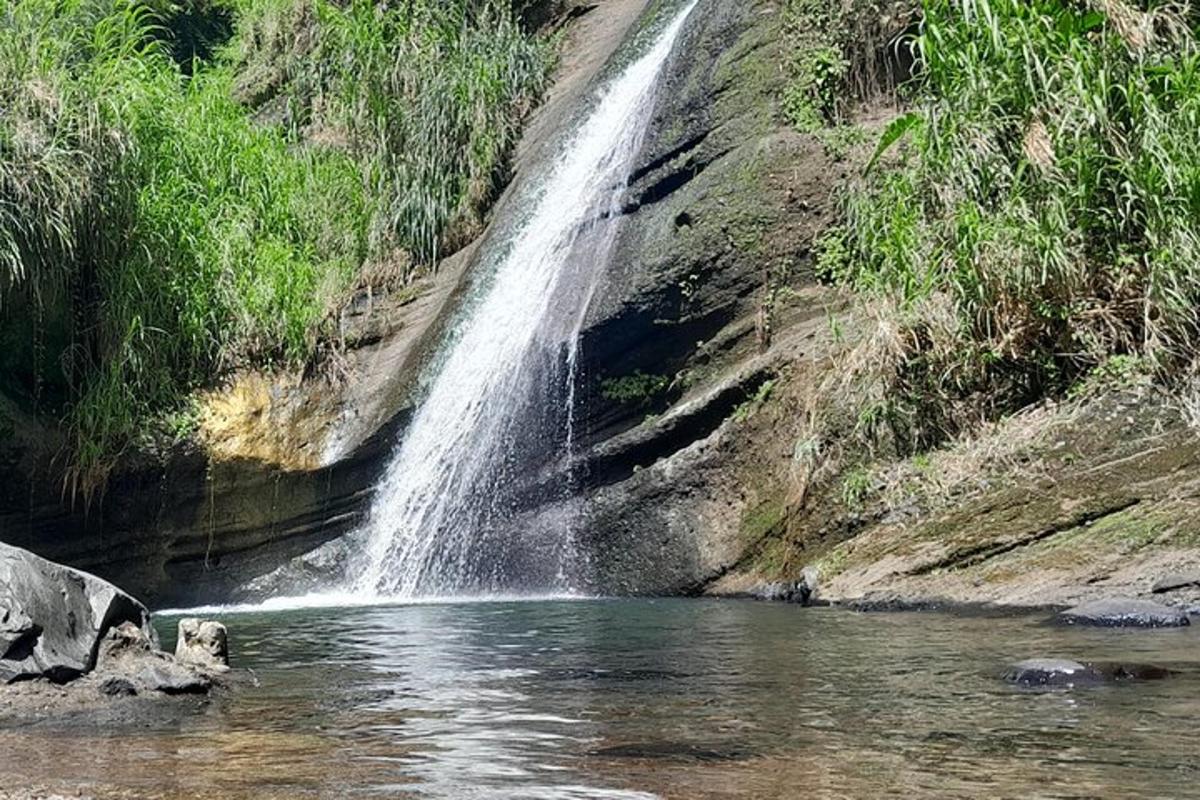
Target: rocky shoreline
x,y
73,644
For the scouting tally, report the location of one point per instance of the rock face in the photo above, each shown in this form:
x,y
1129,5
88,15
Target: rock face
x,y
53,618
1052,672
1176,580
1124,614
722,207
202,643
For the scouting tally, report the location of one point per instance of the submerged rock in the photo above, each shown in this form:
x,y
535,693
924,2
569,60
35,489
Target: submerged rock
x,y
53,618
1065,672
1124,614
1134,672
1052,672
202,643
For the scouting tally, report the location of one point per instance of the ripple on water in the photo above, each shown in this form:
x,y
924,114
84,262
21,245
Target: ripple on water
x,y
687,699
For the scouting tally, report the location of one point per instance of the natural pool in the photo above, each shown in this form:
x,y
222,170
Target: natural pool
x,y
686,699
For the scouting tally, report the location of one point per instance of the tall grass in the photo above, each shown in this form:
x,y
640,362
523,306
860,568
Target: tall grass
x,y
1045,189
429,95
154,235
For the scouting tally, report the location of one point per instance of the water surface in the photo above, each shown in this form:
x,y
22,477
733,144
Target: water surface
x,y
687,699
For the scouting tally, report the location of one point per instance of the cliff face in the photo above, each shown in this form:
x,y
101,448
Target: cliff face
x,y
684,334
282,462
705,349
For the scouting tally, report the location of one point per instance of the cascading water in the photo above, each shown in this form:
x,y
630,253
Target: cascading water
x,y
496,395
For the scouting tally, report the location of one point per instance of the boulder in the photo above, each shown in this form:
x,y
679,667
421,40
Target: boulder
x,y
202,643
53,618
127,656
1052,672
1124,614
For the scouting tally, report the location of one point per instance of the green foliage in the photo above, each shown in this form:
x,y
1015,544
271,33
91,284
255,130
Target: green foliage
x,y
838,52
1046,190
857,485
816,65
153,235
428,95
637,389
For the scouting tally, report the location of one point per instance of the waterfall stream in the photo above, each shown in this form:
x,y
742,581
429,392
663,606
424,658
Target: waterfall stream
x,y
500,393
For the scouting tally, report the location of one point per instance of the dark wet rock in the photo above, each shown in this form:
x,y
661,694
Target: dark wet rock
x,y
1052,672
318,569
117,687
53,618
1124,614
202,643
1176,580
802,592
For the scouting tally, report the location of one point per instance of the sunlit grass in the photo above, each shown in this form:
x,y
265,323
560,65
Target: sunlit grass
x,y
158,227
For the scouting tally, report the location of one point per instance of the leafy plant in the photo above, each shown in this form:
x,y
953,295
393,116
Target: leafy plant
x,y
1047,198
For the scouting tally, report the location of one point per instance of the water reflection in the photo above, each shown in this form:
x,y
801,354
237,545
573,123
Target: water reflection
x,y
640,699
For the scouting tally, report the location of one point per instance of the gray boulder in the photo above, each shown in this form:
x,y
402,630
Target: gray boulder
x,y
1124,614
1052,672
127,656
53,618
202,643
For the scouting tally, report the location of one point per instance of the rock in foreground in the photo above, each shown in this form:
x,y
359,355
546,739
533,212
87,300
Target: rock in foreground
x,y
1124,614
70,642
53,618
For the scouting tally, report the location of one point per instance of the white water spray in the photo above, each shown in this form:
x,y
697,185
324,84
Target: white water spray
x,y
432,529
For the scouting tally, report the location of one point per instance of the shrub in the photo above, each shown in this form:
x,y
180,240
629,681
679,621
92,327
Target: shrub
x,y
153,235
1046,187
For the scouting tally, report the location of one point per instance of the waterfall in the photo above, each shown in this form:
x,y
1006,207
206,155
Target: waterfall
x,y
499,395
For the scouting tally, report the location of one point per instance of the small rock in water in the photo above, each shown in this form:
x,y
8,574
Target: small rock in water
x,y
1124,614
1051,672
203,643
1176,580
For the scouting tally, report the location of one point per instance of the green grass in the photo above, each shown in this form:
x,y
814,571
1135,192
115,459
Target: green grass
x,y
428,96
158,227
1044,191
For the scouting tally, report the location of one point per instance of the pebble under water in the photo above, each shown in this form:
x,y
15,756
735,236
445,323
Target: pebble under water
x,y
687,699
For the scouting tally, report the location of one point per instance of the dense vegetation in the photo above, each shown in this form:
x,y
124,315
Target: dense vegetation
x,y
188,187
1035,214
